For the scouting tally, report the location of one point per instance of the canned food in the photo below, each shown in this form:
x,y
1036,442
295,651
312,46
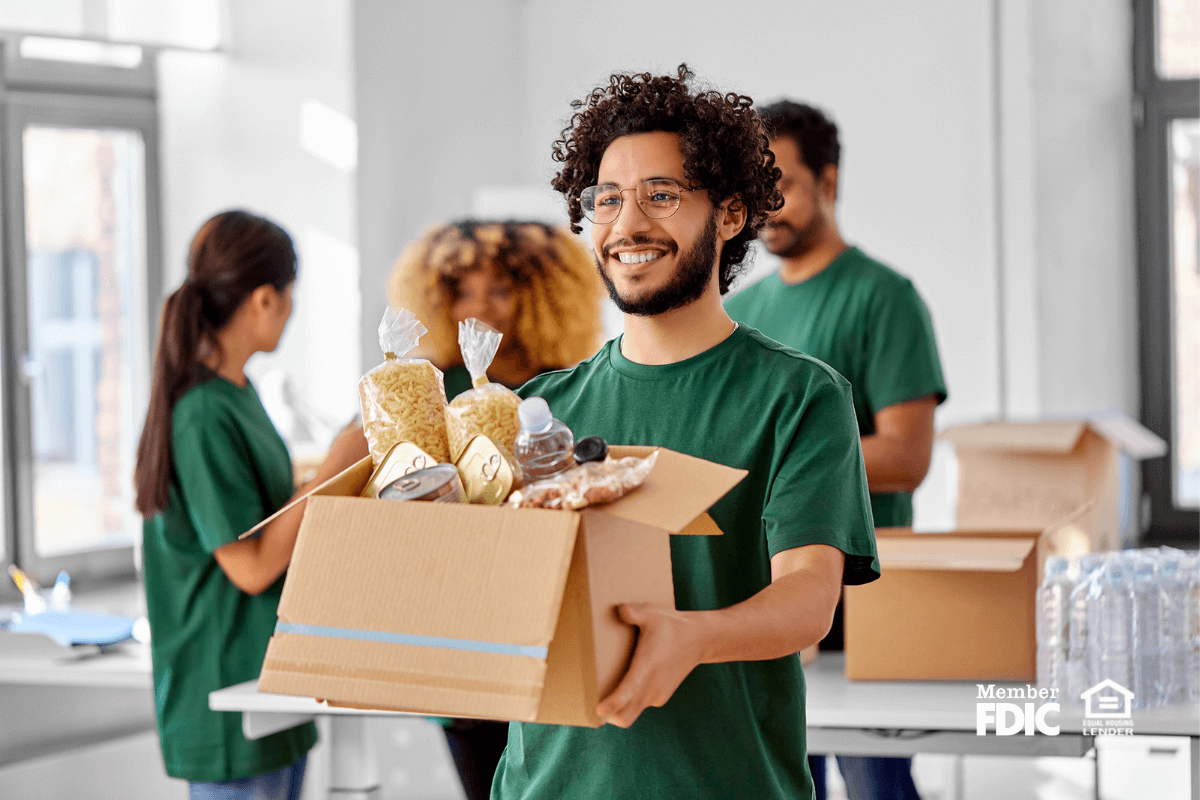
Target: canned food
x,y
439,484
488,474
403,458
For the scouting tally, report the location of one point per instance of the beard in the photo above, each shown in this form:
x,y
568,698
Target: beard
x,y
799,240
692,275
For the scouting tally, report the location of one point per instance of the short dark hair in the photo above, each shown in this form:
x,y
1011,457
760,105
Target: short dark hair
x,y
724,144
814,133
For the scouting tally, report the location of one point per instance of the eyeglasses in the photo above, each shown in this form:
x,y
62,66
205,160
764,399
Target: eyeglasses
x,y
658,198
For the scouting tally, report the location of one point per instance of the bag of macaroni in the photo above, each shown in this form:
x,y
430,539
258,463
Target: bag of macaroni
x,y
403,399
487,408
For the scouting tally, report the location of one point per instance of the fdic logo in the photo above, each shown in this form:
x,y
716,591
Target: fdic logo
x,y
1011,718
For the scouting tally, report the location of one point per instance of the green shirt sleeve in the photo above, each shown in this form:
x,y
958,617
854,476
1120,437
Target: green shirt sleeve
x,y
819,493
217,480
902,361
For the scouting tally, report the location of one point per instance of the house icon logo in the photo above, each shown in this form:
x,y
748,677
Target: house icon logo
x,y
1108,700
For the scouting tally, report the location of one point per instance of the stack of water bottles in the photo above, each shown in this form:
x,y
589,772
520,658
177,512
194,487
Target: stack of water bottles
x,y
1132,616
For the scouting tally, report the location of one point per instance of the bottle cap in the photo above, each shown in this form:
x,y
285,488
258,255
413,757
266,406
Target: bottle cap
x,y
590,448
535,415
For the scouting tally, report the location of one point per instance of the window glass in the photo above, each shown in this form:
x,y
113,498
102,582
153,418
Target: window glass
x,y
1179,38
1185,268
85,232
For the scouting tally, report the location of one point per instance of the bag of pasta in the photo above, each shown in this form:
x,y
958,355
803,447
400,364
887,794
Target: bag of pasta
x,y
403,399
488,408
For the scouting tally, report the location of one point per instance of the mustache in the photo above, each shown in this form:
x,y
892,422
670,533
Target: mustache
x,y
606,251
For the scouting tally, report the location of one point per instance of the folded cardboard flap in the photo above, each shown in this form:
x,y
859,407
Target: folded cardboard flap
x,y
659,502
982,554
349,481
1047,436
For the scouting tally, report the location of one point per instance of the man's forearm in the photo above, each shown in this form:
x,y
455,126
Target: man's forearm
x,y
892,464
790,614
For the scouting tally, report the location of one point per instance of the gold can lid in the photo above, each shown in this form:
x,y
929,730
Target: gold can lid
x,y
487,473
403,458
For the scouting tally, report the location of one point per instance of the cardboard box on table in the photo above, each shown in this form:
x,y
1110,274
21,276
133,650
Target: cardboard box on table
x,y
478,611
961,605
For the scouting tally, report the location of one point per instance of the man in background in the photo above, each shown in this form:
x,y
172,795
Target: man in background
x,y
834,302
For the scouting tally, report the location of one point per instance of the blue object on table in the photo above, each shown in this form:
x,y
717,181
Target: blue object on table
x,y
77,627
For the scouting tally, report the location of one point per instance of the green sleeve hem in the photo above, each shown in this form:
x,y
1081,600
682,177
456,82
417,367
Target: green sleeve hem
x,y
862,565
908,394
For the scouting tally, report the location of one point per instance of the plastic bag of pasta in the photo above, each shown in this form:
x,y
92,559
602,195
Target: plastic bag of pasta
x,y
488,408
589,484
403,399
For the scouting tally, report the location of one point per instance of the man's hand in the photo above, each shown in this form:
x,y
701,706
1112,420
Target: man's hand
x,y
792,613
669,646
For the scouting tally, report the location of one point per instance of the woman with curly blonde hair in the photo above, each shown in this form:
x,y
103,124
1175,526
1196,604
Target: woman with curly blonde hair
x,y
532,282
539,287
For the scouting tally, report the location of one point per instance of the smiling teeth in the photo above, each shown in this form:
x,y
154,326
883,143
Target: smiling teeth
x,y
637,258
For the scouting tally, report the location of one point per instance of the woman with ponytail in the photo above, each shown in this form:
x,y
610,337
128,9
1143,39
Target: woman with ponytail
x,y
210,465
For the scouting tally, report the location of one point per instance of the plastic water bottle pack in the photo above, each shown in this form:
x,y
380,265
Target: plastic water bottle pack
x,y
1131,616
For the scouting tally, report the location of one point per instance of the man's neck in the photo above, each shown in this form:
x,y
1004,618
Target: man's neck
x,y
797,269
677,335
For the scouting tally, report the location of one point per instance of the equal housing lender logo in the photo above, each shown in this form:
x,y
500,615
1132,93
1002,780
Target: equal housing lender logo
x,y
1107,707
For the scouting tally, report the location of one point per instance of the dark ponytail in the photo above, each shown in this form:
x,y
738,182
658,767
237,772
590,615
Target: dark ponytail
x,y
232,254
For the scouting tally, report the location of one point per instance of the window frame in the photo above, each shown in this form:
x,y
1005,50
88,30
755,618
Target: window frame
x,y
63,95
1158,102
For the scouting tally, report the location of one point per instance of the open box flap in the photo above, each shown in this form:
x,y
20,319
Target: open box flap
x,y
1129,435
1053,436
980,551
347,483
678,490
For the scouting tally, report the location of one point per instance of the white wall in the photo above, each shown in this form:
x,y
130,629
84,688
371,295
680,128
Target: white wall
x,y
439,113
231,137
908,85
1083,114
986,152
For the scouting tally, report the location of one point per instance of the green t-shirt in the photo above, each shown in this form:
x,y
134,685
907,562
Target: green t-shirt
x,y
733,730
456,380
867,322
231,471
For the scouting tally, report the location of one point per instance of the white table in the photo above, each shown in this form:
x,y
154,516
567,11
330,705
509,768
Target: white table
x,y
847,717
353,772
67,702
888,718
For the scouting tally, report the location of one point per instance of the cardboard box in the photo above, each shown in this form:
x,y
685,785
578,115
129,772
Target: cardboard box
x,y
478,611
1028,475
961,605
948,606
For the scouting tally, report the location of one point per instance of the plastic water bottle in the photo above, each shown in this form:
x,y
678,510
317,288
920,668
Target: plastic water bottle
x,y
1053,602
544,446
1110,616
1081,654
1148,618
1191,605
1173,667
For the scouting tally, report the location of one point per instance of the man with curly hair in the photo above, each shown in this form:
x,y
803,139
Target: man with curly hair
x,y
865,320
676,183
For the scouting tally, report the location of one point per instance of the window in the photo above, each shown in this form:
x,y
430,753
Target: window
x,y
1167,82
81,253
